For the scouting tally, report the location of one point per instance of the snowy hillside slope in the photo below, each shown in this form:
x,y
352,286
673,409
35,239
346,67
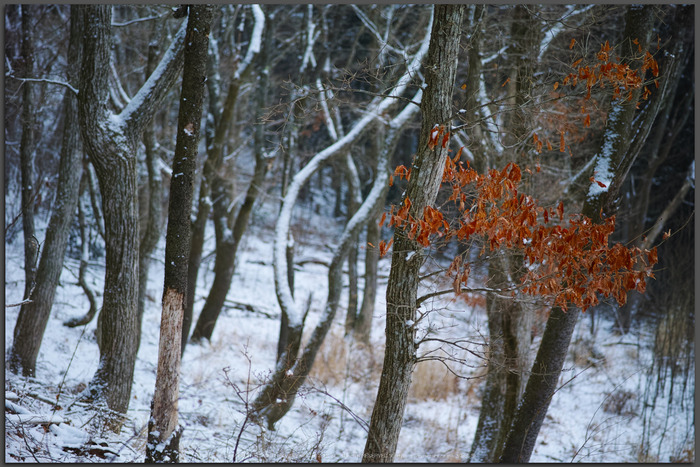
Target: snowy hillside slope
x,y
596,416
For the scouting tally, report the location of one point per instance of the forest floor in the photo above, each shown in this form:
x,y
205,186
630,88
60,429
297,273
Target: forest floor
x,y
597,415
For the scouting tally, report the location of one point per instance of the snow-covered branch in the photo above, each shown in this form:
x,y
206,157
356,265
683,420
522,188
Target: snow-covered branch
x,y
311,37
142,105
45,80
376,109
255,40
383,43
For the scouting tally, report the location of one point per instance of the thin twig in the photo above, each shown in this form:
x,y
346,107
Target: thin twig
x,y
45,80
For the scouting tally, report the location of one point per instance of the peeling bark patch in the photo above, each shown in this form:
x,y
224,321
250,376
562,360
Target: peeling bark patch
x,y
168,377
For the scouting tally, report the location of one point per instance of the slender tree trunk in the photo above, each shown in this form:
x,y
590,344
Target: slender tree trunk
x,y
384,142
110,141
276,399
229,240
354,200
163,438
26,151
407,258
84,259
560,325
212,185
33,316
203,203
152,207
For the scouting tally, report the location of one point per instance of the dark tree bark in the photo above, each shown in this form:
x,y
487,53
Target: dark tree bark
x,y
150,208
33,316
363,323
213,185
228,240
407,258
354,200
163,438
598,205
110,141
84,259
26,152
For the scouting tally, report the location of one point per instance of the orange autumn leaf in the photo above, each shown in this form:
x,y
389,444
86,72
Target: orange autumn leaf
x,y
572,43
506,82
562,143
445,139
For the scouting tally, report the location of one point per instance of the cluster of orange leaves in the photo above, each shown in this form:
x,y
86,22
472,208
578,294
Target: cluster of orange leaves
x,y
571,264
618,75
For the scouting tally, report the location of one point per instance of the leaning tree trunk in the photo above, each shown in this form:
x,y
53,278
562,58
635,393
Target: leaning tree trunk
x,y
290,307
560,325
163,439
33,316
277,397
110,140
407,258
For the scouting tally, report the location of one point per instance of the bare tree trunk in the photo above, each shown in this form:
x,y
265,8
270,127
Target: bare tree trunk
x,y
212,184
110,141
289,306
354,200
228,240
84,260
33,316
152,208
26,151
407,258
384,143
204,200
163,438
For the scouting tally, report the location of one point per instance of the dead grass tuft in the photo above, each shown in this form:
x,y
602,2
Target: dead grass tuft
x,y
341,357
432,381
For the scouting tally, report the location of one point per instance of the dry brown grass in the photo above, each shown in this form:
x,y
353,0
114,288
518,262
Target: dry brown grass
x,y
340,358
432,381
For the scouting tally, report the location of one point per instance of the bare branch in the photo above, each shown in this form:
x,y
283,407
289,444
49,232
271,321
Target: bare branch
x,y
45,80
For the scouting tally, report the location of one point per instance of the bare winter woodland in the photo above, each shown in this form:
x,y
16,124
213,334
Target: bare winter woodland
x,y
355,233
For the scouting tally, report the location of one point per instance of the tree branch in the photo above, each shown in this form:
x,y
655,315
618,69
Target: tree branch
x,y
45,80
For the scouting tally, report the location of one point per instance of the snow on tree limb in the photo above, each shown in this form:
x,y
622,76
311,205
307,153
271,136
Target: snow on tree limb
x,y
152,89
311,37
284,293
255,40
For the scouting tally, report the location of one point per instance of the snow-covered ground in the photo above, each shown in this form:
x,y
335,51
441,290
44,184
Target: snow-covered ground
x,y
595,417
